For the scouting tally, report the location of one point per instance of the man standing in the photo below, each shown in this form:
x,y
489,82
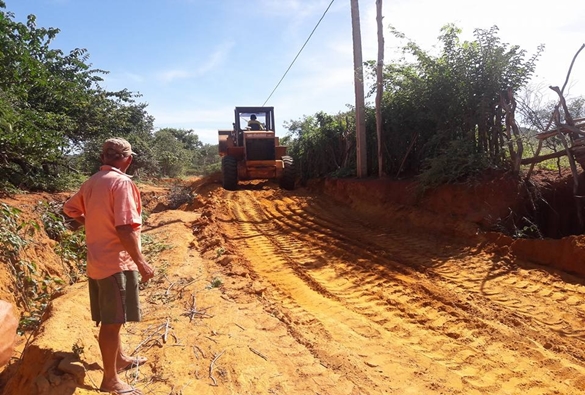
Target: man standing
x,y
109,206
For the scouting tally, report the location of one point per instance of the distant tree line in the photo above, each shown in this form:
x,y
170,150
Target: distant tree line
x,y
54,115
443,117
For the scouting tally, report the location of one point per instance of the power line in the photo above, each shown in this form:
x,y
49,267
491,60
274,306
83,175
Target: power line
x,y
301,50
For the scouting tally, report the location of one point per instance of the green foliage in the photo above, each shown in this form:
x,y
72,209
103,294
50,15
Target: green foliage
x,y
14,233
215,283
32,289
322,144
452,96
441,113
38,86
151,246
73,252
206,160
53,220
219,252
54,117
172,153
70,247
456,162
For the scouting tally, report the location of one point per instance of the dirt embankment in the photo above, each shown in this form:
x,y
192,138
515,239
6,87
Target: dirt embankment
x,y
343,287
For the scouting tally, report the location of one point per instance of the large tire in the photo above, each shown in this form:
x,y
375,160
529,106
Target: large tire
x,y
229,171
289,174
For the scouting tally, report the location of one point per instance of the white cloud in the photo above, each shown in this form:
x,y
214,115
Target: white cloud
x,y
217,58
213,61
172,75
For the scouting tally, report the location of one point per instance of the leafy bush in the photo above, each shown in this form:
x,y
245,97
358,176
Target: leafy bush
x,y
33,290
456,162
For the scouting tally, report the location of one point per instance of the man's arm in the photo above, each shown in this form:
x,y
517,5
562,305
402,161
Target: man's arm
x,y
80,220
8,326
131,242
73,208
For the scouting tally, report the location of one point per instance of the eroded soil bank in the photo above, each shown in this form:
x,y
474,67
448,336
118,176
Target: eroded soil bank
x,y
340,287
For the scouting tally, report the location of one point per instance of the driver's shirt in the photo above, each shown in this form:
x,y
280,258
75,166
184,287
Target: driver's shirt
x,y
255,122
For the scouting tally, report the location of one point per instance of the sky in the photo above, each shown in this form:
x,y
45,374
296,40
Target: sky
x,y
194,61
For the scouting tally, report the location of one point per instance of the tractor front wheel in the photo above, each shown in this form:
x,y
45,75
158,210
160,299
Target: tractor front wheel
x,y
229,171
289,175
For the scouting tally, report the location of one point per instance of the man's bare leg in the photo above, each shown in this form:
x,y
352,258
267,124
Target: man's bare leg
x,y
109,341
124,361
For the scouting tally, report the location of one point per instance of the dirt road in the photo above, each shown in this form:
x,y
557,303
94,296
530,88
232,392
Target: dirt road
x,y
275,292
390,311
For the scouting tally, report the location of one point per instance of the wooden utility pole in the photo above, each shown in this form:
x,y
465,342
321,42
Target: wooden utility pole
x,y
360,112
379,85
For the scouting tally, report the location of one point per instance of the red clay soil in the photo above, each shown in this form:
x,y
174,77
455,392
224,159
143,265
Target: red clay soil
x,y
340,287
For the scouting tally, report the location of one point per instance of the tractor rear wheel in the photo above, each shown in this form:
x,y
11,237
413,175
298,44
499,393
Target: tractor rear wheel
x,y
289,174
229,171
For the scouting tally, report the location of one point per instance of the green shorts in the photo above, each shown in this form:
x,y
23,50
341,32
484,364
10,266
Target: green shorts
x,y
114,299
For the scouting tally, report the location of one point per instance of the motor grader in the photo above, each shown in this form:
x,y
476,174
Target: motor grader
x,y
251,150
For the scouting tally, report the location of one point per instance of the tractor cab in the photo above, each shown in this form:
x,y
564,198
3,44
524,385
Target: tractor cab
x,y
252,119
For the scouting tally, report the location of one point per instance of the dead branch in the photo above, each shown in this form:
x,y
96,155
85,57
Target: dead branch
x,y
166,334
538,159
169,289
508,104
533,163
200,350
575,177
258,353
414,137
148,339
189,283
571,67
563,102
193,311
211,367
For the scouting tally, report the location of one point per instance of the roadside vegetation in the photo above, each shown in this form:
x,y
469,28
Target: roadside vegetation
x,y
444,115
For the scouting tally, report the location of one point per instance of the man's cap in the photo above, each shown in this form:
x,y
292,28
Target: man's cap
x,y
117,146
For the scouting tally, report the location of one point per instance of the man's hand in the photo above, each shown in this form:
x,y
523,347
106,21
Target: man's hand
x,y
130,239
8,326
146,271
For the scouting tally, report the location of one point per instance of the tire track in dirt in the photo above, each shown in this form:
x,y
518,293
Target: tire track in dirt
x,y
367,298
532,294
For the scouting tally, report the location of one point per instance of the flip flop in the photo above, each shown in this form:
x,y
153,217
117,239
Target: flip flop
x,y
138,361
129,391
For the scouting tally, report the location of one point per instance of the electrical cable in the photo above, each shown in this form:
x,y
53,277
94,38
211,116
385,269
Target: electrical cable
x,y
301,50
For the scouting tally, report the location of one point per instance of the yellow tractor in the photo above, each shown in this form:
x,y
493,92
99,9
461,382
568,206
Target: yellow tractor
x,y
251,150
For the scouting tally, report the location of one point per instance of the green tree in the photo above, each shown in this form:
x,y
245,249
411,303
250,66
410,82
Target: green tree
x,y
435,101
172,156
322,144
52,108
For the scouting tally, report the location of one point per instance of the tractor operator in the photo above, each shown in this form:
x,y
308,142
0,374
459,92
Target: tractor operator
x,y
254,124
